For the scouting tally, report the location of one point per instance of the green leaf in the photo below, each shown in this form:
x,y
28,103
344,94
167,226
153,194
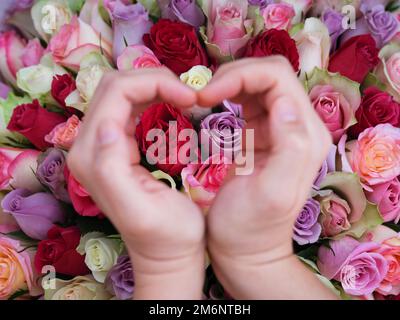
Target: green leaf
x,y
75,5
392,226
393,6
21,236
18,294
372,81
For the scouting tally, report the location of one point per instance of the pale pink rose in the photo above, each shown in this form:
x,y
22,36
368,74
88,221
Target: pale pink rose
x,y
16,272
137,57
11,48
74,41
202,181
278,16
228,25
375,156
301,7
387,197
333,108
32,53
393,70
335,215
64,134
7,155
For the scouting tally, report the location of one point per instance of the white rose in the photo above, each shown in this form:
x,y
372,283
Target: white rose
x,y
88,79
35,80
197,77
101,253
78,288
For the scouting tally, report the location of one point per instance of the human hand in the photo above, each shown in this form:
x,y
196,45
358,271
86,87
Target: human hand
x,y
250,224
162,229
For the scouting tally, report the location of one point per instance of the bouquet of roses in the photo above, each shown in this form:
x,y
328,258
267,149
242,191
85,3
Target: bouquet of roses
x,y
55,242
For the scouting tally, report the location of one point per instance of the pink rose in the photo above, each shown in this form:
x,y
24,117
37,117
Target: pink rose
x,y
16,272
227,25
64,134
358,266
137,57
333,108
388,70
387,197
335,214
202,181
278,16
17,169
390,249
11,48
393,71
74,41
32,53
375,156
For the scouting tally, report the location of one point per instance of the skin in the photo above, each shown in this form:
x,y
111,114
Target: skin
x,y
248,230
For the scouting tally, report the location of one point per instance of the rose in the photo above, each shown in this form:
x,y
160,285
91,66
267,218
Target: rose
x,y
59,251
79,288
186,51
307,229
34,122
136,57
35,80
119,280
334,22
49,16
101,253
321,175
278,16
183,10
74,41
61,87
35,213
387,197
88,79
202,181
64,134
50,172
4,90
32,53
375,156
158,117
376,107
222,133
11,49
333,108
80,198
274,42
320,6
197,78
313,44
7,222
388,71
228,29
130,23
301,7
18,169
16,269
361,49
358,266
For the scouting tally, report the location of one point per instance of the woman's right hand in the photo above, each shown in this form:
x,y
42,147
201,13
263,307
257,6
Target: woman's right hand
x,y
250,224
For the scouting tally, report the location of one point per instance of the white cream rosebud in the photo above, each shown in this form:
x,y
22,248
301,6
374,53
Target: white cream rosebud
x,y
88,79
35,80
197,77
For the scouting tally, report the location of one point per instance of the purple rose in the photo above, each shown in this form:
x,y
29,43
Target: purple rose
x,y
130,22
307,229
222,132
35,213
185,11
321,175
333,21
4,90
236,109
50,172
119,280
260,3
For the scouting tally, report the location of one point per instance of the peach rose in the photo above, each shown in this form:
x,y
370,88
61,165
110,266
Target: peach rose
x,y
64,134
74,41
375,156
16,272
278,16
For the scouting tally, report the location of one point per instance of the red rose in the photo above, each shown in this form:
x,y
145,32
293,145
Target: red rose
x,y
80,198
34,122
376,107
158,117
355,58
59,251
274,42
176,45
61,87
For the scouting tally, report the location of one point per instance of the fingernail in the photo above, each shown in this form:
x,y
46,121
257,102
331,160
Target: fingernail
x,y
107,134
288,113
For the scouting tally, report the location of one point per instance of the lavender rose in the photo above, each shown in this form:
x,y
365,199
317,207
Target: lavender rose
x,y
35,213
260,3
4,90
333,20
234,108
119,280
50,173
307,229
185,11
130,23
321,175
